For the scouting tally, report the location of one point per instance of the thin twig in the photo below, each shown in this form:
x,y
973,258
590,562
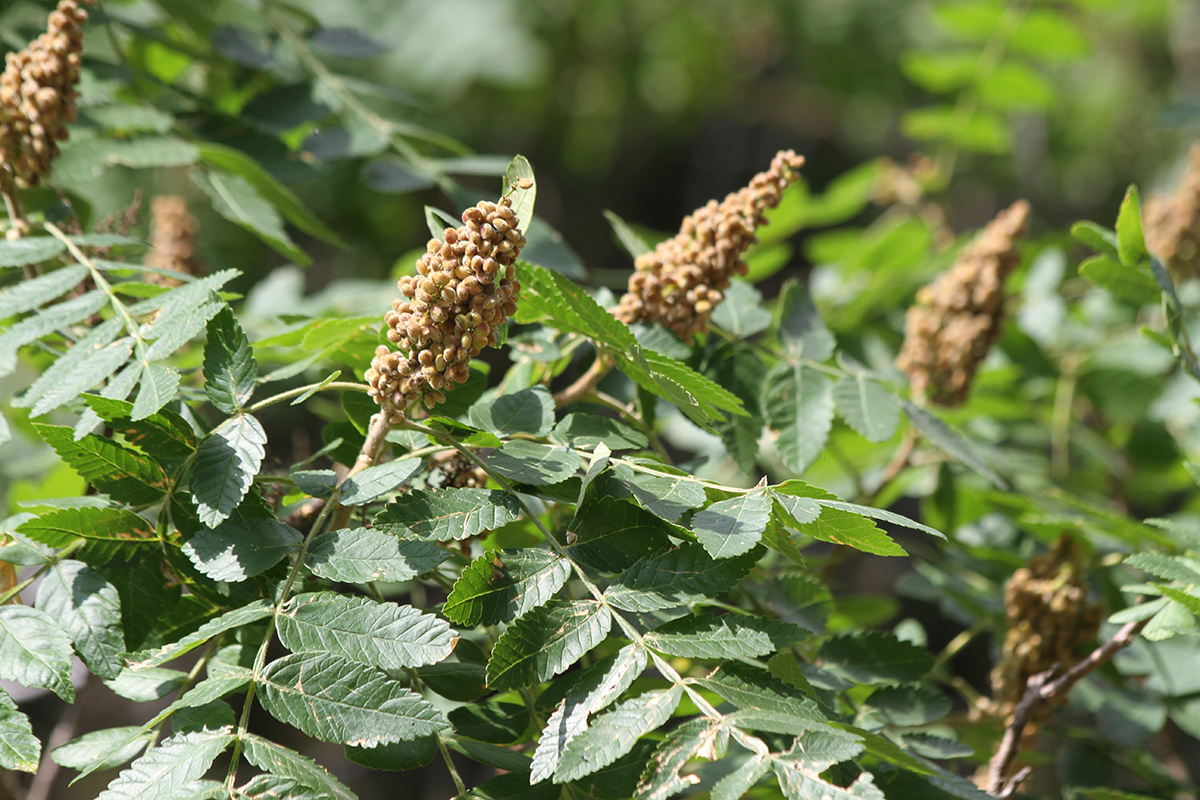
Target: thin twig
x,y
1045,688
376,438
584,383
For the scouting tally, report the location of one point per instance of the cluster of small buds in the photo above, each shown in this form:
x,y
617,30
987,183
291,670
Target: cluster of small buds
x,y
680,283
464,291
1172,222
1049,619
172,240
37,96
957,318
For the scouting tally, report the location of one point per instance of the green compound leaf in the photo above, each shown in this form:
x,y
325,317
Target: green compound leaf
x,y
238,549
230,370
225,466
443,515
614,734
89,609
362,555
611,535
384,635
729,636
31,293
43,322
867,407
737,783
236,199
157,387
173,769
880,514
869,657
278,760
798,401
533,463
107,531
954,444
765,702
90,360
852,530
590,430
799,769
245,615
741,312
594,691
546,641
19,748
682,576
666,496
731,527
125,474
373,482
339,701
502,585
527,411
35,651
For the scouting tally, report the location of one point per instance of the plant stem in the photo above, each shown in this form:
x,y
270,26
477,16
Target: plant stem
x,y
346,386
584,383
458,781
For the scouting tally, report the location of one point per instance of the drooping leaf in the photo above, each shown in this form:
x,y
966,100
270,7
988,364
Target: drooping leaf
x,y
336,700
502,585
874,657
952,443
362,555
852,530
230,369
97,748
527,411
867,407
19,748
31,293
238,549
545,641
384,635
245,615
731,527
122,473
89,610
611,535
538,464
35,651
684,575
798,401
728,636
373,482
696,738
278,760
594,691
613,734
446,514
171,769
225,466
237,200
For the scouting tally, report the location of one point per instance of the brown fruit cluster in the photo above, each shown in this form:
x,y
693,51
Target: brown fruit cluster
x,y
172,240
680,283
464,290
957,318
37,96
1172,222
1049,619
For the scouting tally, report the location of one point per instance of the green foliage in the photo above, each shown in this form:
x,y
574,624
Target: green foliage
x,y
613,563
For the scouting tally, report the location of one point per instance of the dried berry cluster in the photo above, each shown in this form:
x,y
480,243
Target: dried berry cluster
x,y
1049,618
37,96
172,240
465,289
682,281
1173,222
957,317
